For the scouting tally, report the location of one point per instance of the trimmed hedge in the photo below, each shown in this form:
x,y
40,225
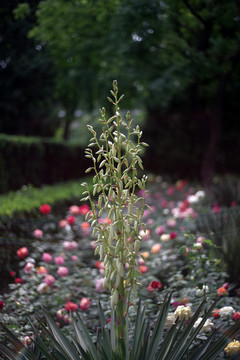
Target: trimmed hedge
x,y
29,160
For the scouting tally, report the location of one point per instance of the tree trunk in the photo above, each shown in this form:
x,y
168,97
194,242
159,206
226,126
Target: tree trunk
x,y
66,128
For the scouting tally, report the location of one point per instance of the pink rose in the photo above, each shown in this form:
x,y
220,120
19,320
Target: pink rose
x,y
49,280
160,230
62,271
59,260
74,210
28,268
74,258
46,257
99,285
84,303
70,245
38,234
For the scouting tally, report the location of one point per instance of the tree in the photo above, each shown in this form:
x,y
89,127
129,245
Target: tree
x,y
75,33
26,79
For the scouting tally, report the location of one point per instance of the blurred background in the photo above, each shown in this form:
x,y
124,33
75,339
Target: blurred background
x,y
176,61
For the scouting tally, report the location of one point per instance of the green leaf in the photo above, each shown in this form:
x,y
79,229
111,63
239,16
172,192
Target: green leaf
x,y
61,338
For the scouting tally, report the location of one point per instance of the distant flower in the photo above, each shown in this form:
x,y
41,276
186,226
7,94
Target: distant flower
x,y
27,341
171,222
156,248
49,280
71,220
165,237
226,311
46,257
1,304
160,230
59,260
222,291
42,270
232,348
226,285
216,209
22,252
197,246
38,234
183,312
236,316
60,314
18,280
145,235
70,306
145,254
154,286
42,288
207,326
200,239
84,303
12,273
62,271
28,268
70,245
173,235
74,210
141,261
170,321
216,313
143,269
45,209
62,223
204,290
74,258
99,285
84,209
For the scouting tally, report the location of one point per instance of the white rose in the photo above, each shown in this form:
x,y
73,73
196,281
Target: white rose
x,y
204,290
226,311
183,312
165,237
206,326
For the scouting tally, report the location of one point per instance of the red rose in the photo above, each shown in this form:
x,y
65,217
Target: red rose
x,y
154,285
70,306
22,252
236,316
12,273
45,209
1,304
216,313
173,235
18,281
84,209
71,219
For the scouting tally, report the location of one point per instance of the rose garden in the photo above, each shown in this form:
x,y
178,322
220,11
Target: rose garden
x,y
142,267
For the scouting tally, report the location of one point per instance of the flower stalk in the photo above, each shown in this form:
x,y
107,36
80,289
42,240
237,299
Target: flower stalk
x,y
115,155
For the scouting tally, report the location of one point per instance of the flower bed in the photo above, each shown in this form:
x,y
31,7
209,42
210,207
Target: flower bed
x,y
61,273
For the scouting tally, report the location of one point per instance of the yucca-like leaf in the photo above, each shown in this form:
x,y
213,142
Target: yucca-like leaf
x,y
10,355
138,332
53,341
63,342
222,342
91,349
158,329
21,349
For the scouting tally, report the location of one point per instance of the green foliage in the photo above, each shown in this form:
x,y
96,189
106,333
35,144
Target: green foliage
x,y
27,74
179,342
38,161
29,198
224,229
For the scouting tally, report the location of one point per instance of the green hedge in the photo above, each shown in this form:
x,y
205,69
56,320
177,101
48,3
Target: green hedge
x,y
29,160
29,198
